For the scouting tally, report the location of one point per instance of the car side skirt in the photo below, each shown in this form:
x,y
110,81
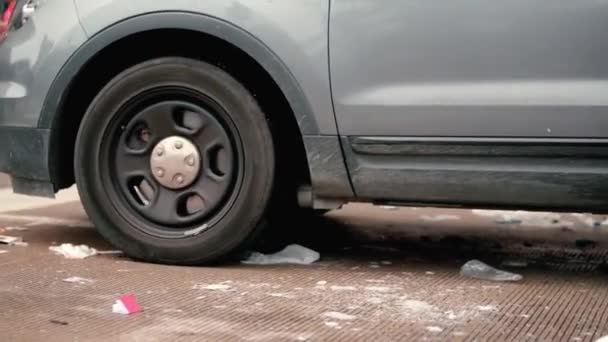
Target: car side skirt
x,y
537,174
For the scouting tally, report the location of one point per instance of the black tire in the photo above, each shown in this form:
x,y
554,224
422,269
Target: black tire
x,y
238,214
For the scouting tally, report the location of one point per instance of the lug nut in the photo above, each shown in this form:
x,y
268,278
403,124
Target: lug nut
x,y
178,144
190,161
160,172
160,151
179,179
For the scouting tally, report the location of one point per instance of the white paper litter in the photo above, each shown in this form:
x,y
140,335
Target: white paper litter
x,y
70,251
3,251
292,254
119,308
79,280
602,339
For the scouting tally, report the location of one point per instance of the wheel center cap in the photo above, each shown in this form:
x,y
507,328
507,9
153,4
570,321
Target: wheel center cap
x,y
175,162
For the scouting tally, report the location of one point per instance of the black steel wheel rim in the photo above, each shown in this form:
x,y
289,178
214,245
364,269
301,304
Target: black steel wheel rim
x,y
142,124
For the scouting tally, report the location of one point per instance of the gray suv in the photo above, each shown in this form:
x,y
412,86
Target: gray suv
x,y
188,125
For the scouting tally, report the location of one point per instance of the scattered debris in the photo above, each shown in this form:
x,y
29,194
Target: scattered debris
x,y
3,251
439,218
79,280
10,240
54,321
339,316
126,305
292,254
434,329
70,251
213,287
529,218
196,231
478,270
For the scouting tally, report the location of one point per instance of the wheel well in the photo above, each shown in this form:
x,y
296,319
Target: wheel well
x,y
131,50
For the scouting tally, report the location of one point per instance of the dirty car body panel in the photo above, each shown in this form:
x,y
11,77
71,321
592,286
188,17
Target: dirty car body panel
x,y
418,102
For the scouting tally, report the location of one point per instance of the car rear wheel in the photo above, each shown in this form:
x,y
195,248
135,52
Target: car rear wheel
x,y
175,162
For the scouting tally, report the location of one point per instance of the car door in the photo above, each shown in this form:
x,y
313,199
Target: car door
x,y
473,102
470,68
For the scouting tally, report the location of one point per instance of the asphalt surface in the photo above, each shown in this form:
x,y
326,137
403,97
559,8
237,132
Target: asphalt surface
x,y
385,274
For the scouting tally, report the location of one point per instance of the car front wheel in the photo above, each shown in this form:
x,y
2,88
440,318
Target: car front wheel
x,y
175,162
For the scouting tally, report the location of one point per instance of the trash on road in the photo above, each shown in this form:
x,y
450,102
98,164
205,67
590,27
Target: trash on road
x,y
292,254
3,251
79,280
70,251
389,207
10,240
479,270
126,305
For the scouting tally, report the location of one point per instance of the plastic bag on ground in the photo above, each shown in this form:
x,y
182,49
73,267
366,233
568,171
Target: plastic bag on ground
x,y
479,270
292,254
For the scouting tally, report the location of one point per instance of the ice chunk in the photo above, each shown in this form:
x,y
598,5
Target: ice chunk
x,y
292,254
70,251
478,270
